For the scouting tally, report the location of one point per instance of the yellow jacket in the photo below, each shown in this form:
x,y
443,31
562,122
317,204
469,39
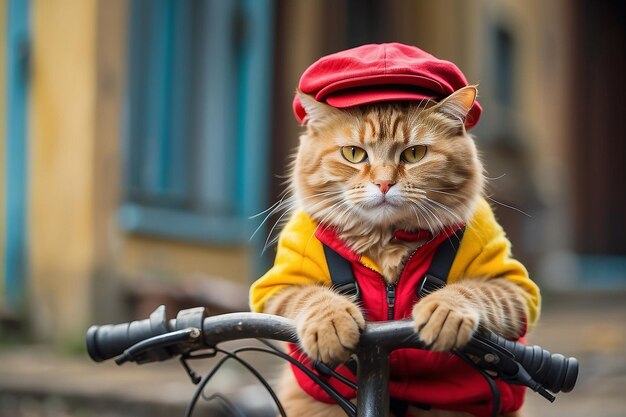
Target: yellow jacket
x,y
484,252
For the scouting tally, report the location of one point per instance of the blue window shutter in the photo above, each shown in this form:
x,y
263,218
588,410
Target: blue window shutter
x,y
256,91
158,84
18,53
197,112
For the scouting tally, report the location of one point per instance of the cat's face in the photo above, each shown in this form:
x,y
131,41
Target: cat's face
x,y
399,165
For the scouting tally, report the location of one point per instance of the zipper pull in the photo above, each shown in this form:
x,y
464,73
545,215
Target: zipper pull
x,y
391,300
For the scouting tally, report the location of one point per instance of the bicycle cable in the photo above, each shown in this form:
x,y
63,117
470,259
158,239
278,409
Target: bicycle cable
x,y
348,407
226,403
495,391
319,366
231,355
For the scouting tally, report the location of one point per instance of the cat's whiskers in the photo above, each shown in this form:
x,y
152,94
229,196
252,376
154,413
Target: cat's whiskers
x,y
293,204
289,204
461,201
331,210
458,220
455,216
273,209
331,194
265,245
254,216
419,215
438,223
269,241
496,178
450,237
507,206
438,191
416,208
312,208
308,206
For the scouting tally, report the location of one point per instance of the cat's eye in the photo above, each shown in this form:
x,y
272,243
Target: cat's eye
x,y
353,154
413,154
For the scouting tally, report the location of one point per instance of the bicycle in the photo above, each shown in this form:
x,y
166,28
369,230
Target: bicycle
x,y
193,335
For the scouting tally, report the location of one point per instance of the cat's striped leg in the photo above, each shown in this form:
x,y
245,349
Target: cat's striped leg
x,y
447,318
328,324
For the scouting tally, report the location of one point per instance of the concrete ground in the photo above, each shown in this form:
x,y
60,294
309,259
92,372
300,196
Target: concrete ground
x,y
592,329
36,382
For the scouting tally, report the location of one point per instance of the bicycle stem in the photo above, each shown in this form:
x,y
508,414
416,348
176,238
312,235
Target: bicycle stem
x,y
375,346
373,382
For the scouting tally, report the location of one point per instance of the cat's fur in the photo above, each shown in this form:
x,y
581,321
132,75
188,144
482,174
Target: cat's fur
x,y
440,190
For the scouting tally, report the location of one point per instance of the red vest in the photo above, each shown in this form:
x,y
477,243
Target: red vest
x,y
440,380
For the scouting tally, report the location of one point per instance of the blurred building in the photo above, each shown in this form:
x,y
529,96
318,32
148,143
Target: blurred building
x,y
139,137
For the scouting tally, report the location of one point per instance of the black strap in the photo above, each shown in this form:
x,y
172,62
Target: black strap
x,y
437,274
345,283
444,256
341,273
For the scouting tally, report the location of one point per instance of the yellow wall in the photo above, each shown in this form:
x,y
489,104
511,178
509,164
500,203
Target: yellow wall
x,y
3,42
63,92
81,263
168,260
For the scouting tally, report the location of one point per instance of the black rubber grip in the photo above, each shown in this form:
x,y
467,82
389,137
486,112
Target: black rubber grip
x,y
554,371
110,340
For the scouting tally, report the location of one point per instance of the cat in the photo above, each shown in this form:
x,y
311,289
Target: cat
x,y
363,173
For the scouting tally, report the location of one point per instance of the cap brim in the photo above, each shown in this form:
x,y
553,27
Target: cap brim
x,y
374,94
361,96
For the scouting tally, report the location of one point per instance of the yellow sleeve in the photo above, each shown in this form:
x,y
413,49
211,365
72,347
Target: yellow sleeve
x,y
299,260
485,252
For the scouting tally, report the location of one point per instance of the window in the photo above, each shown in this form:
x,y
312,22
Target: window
x,y
504,59
197,118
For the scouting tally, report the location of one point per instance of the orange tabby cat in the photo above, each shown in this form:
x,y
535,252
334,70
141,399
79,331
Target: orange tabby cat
x,y
366,172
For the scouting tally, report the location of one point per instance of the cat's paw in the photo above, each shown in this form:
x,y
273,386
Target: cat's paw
x,y
329,329
444,321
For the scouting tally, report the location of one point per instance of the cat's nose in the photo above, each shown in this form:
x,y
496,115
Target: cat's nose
x,y
384,186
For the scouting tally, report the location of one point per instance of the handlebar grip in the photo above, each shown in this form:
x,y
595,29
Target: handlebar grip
x,y
108,341
555,372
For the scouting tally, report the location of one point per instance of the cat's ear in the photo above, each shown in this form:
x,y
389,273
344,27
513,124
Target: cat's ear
x,y
315,110
458,104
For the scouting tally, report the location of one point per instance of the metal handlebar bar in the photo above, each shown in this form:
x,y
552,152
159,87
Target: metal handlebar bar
x,y
108,341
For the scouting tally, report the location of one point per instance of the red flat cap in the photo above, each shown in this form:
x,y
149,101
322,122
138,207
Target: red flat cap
x,y
385,72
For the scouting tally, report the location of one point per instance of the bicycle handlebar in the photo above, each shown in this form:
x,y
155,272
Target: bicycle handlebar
x,y
156,339
111,340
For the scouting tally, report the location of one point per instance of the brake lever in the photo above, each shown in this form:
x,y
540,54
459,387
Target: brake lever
x,y
494,358
156,347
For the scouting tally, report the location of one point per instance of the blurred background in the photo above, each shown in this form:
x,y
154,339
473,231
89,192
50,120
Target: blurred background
x,y
139,137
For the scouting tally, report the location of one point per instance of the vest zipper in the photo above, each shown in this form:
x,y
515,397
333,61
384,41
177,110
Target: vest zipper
x,y
391,300
391,289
